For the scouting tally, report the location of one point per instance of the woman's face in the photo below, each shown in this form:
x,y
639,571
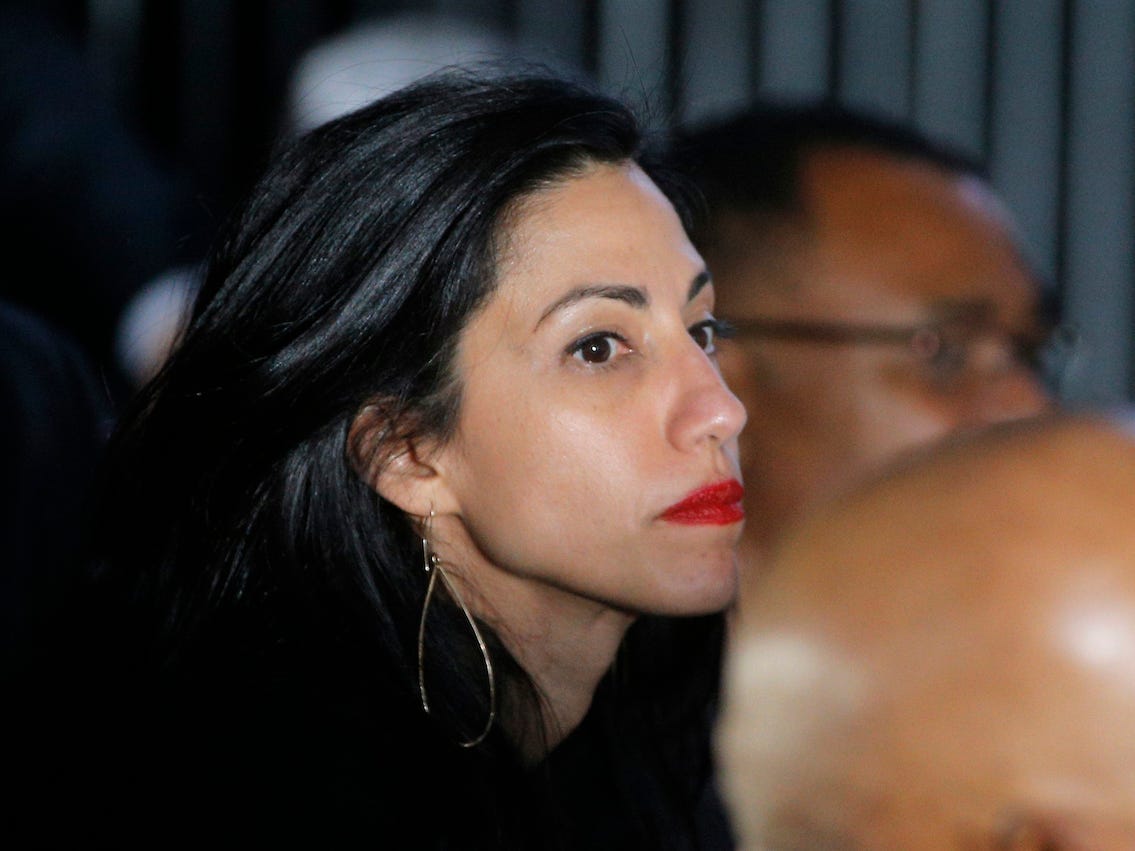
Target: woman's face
x,y
595,454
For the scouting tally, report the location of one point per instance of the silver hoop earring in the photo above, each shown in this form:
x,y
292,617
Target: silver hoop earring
x,y
433,566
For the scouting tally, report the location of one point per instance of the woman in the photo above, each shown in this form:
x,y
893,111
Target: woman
x,y
445,423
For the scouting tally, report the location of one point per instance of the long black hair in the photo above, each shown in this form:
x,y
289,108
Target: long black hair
x,y
272,598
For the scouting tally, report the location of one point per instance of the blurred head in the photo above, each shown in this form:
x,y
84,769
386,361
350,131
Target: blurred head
x,y
469,301
879,297
944,657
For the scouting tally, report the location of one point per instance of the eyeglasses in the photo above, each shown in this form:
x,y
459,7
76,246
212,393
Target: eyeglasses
x,y
948,349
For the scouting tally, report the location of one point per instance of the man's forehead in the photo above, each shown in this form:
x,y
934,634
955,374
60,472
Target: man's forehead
x,y
877,238
822,283
839,164
876,195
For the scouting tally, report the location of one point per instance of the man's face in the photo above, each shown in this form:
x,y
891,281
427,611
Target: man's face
x,y
880,242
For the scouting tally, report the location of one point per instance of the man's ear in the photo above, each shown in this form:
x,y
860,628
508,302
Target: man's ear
x,y
395,464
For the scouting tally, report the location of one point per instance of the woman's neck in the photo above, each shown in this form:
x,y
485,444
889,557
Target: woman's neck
x,y
566,644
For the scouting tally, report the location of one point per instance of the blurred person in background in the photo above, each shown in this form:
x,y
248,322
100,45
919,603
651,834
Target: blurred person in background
x,y
89,214
54,420
878,291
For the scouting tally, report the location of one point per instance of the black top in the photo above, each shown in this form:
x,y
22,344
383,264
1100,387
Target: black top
x,y
322,770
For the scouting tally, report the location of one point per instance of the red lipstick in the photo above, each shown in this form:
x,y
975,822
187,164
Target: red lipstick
x,y
714,505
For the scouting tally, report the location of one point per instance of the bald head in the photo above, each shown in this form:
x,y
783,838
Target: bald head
x,y
945,656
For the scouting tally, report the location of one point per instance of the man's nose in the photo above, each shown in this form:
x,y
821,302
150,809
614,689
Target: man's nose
x,y
1014,394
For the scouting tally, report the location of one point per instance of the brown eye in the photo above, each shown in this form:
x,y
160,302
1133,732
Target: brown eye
x,y
596,349
705,335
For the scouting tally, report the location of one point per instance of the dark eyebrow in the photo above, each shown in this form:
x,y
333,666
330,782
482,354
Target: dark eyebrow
x,y
959,305
633,296
1039,319
952,310
964,310
700,280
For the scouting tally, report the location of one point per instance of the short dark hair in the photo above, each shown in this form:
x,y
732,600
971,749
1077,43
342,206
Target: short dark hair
x,y
751,160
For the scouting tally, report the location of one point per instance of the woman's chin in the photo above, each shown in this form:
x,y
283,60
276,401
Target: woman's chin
x,y
712,589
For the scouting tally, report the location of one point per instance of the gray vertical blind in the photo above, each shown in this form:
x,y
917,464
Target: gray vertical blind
x,y
716,57
1026,125
559,28
1100,186
874,60
632,54
949,72
795,46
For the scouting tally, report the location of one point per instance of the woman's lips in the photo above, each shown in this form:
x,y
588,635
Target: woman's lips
x,y
714,505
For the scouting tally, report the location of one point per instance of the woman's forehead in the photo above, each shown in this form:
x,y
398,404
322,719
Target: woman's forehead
x,y
609,225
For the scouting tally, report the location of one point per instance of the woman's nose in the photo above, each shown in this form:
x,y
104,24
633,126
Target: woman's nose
x,y
704,409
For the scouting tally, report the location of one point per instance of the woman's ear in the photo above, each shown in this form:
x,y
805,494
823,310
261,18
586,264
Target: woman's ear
x,y
396,465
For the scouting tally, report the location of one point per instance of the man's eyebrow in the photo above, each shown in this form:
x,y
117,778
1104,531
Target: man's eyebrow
x,y
634,296
1038,319
961,308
